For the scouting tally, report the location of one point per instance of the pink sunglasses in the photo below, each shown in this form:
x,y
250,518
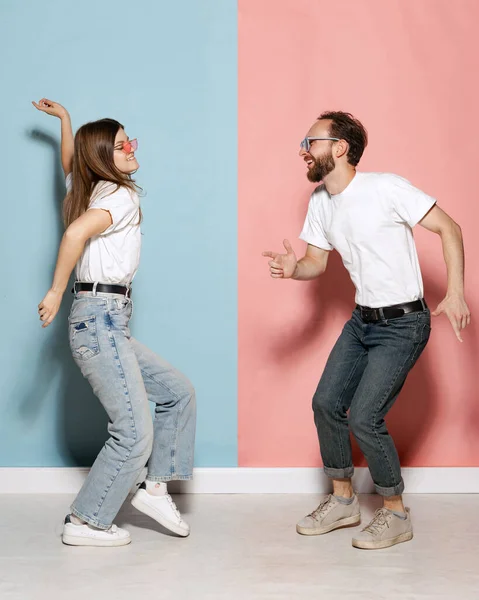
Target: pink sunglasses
x,y
130,146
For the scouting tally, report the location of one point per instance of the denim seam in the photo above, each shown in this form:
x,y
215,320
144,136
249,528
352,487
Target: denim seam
x,y
121,463
181,407
340,397
175,443
383,397
374,416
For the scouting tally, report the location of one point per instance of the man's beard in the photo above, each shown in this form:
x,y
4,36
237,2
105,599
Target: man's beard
x,y
321,167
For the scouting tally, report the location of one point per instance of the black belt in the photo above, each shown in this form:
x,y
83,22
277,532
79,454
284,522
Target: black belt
x,y
105,288
369,315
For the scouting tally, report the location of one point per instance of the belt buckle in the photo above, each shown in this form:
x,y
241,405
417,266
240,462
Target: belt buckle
x,y
371,315
367,314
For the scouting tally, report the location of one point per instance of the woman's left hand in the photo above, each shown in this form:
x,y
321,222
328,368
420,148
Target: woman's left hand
x,y
49,306
55,109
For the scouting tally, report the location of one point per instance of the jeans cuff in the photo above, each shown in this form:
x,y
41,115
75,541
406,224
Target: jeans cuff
x,y
165,478
89,520
345,473
395,490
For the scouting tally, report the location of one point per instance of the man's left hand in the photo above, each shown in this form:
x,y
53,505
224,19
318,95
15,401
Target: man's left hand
x,y
457,311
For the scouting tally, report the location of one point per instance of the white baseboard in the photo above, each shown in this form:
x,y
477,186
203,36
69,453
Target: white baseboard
x,y
418,480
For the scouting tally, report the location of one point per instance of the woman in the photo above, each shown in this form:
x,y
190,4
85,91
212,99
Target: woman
x,y
102,239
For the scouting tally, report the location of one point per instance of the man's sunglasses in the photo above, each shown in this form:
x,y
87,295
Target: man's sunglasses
x,y
306,143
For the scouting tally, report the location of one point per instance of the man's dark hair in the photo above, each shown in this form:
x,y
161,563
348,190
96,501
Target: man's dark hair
x,y
345,127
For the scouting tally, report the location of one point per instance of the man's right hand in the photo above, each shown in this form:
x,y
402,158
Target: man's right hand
x,y
282,266
51,108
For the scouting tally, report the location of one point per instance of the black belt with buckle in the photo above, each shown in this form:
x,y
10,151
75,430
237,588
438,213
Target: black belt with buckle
x,y
105,288
370,315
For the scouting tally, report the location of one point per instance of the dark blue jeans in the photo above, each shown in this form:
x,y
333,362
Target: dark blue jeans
x,y
364,374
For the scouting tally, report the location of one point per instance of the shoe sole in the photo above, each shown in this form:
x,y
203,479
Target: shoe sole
x,y
76,540
347,522
404,537
151,512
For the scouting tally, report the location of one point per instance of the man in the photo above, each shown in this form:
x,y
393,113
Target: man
x,y
368,218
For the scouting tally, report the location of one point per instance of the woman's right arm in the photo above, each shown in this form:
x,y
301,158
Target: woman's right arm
x,y
57,110
92,222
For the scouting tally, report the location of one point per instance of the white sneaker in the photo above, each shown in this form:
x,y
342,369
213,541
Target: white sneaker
x,y
162,509
86,535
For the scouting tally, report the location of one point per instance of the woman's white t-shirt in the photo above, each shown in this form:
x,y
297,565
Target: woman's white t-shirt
x,y
112,256
370,225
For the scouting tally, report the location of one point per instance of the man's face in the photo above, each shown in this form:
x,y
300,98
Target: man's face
x,y
319,158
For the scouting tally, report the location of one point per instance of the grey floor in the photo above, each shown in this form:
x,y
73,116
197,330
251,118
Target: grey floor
x,y
241,547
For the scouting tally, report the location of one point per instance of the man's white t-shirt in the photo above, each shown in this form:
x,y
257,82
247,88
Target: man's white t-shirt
x,y
370,225
112,256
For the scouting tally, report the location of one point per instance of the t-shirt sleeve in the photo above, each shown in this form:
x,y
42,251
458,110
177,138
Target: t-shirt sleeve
x,y
410,204
68,182
313,232
120,204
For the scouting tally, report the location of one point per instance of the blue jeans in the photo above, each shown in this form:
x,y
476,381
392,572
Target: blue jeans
x,y
125,375
364,374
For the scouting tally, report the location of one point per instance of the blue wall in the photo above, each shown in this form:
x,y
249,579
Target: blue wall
x,y
168,71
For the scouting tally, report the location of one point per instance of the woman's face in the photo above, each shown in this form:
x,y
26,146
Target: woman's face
x,y
124,154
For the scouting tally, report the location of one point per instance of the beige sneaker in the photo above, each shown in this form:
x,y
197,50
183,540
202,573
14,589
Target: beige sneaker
x,y
329,515
386,529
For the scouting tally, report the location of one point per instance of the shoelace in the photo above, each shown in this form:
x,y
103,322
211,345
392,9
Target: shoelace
x,y
380,520
173,506
113,529
321,508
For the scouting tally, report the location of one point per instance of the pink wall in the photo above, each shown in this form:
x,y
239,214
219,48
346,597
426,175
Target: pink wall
x,y
408,70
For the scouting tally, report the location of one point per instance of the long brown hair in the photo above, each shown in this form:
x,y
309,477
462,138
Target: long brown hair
x,y
93,162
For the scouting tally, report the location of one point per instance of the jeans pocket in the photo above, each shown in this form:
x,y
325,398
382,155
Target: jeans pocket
x,y
423,331
83,338
123,306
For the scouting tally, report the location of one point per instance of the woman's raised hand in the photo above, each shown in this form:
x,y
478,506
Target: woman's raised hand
x,y
51,108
